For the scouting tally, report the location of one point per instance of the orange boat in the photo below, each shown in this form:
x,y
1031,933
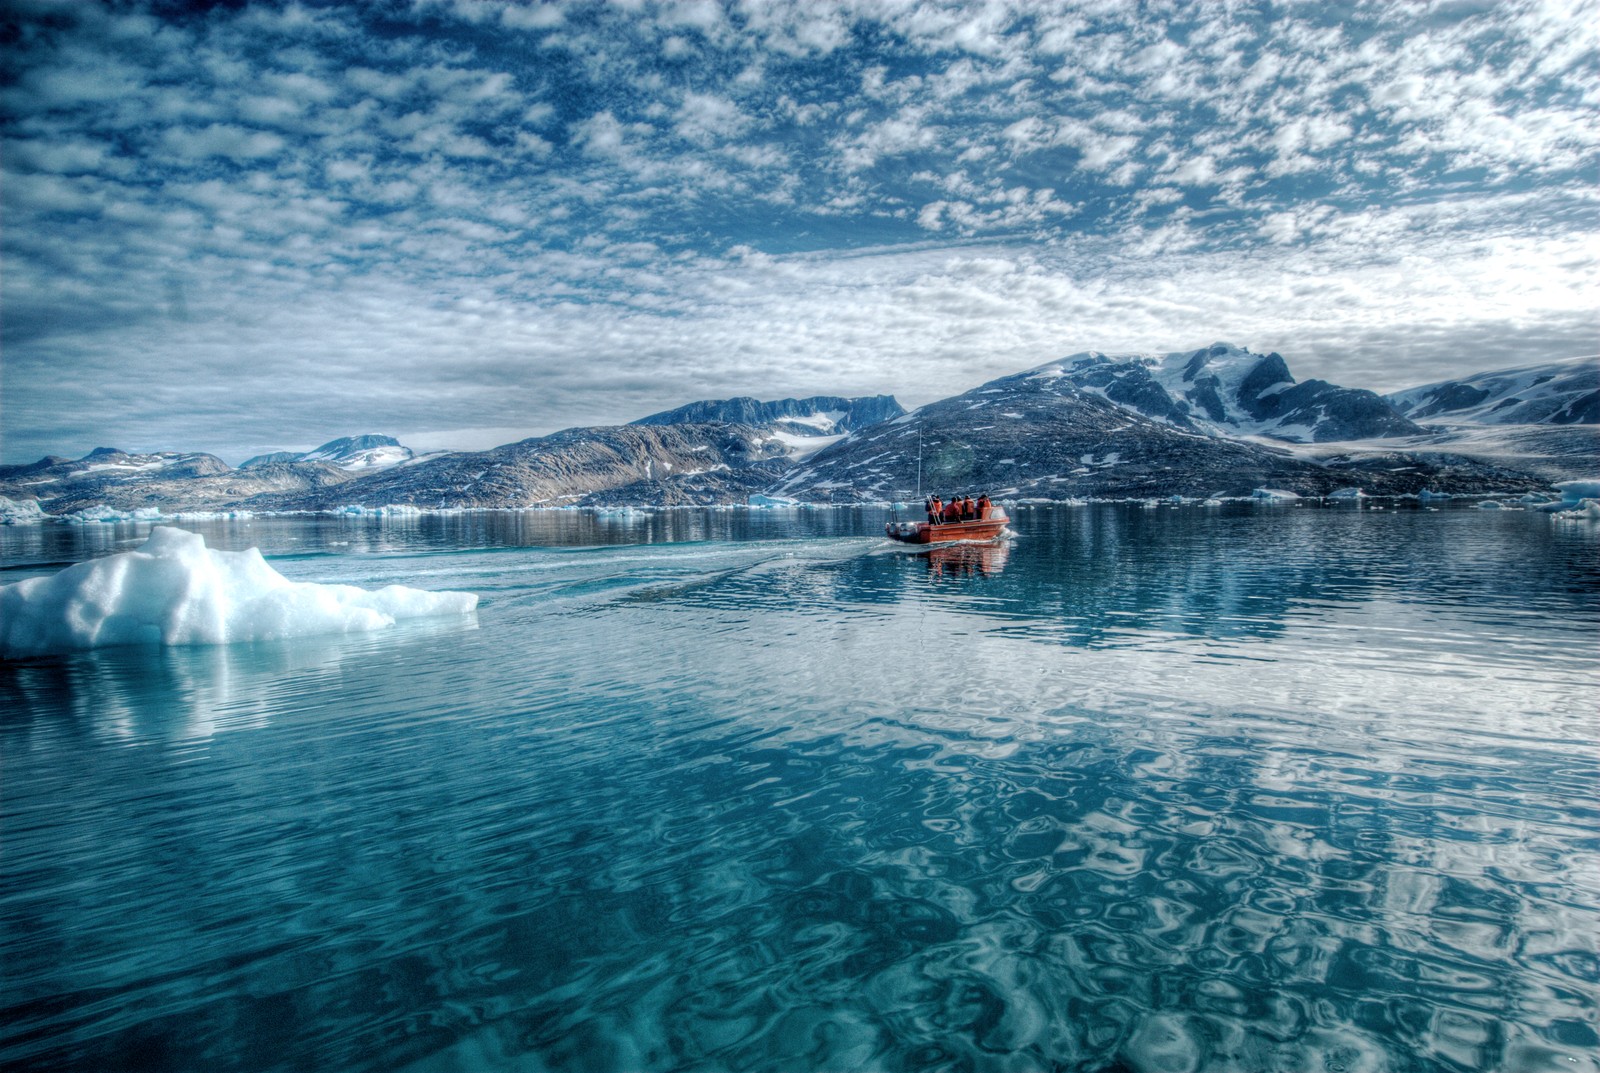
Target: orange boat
x,y
986,528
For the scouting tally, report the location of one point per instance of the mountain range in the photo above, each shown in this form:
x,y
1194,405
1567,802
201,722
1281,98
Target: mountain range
x,y
348,452
1216,421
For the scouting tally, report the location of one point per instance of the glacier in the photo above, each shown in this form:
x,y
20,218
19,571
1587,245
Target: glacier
x,y
173,590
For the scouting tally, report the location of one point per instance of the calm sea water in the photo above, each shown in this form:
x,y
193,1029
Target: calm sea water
x,y
1144,790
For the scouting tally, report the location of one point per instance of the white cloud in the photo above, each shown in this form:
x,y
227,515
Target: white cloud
x,y
705,118
500,172
223,140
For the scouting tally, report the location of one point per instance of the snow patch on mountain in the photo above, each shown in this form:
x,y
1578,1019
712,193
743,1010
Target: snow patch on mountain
x,y
352,453
1225,390
1553,393
799,422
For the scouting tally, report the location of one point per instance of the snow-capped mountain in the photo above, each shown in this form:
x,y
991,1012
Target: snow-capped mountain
x,y
803,426
1192,423
717,462
109,466
1064,429
166,480
370,452
1224,390
1554,393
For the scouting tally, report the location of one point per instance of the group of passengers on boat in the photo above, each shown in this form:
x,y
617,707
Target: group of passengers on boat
x,y
958,509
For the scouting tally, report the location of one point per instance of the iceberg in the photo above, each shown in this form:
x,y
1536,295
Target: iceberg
x,y
1273,495
1577,491
174,590
23,512
1580,501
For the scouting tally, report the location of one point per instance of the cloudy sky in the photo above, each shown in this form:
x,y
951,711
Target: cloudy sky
x,y
264,225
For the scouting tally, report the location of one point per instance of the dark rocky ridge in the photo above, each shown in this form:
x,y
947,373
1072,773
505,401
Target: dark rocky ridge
x,y
1227,390
567,467
1554,393
1041,435
170,490
1088,426
783,414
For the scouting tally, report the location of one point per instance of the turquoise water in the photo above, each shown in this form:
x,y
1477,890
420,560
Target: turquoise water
x,y
1256,788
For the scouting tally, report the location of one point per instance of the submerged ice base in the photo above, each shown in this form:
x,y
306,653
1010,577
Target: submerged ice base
x,y
175,591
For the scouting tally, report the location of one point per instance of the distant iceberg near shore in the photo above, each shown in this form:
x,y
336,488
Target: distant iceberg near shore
x,y
175,591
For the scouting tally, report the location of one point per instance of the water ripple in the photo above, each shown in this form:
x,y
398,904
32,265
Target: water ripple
x,y
1146,795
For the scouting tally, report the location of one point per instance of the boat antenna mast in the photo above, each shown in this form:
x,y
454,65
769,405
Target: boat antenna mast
x,y
919,456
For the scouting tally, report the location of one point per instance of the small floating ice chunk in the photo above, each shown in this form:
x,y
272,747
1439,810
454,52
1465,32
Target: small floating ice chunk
x,y
392,510
1586,510
175,591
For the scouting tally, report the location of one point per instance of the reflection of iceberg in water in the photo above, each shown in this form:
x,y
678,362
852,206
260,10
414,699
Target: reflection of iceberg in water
x,y
189,692
968,560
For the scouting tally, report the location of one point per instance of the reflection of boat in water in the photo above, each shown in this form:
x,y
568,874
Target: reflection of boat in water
x,y
967,559
985,528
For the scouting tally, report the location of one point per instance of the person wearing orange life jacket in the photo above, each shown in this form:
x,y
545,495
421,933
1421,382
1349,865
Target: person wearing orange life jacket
x,y
952,512
983,507
935,510
969,509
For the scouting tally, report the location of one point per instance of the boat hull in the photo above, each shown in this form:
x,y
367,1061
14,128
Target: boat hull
x,y
928,533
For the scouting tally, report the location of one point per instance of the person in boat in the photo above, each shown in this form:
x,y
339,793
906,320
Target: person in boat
x,y
935,510
983,507
952,513
969,509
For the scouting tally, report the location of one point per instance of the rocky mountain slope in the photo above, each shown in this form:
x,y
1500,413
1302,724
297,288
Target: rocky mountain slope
x,y
167,481
820,415
724,462
1225,390
1554,393
1214,421
1047,433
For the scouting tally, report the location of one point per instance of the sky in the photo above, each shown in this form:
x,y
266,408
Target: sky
x,y
243,227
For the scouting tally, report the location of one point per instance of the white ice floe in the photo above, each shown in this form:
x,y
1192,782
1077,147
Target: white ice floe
x,y
20,512
90,515
1273,495
1585,510
393,510
175,591
773,501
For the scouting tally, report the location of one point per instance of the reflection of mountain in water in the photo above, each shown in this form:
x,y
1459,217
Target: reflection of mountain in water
x,y
1117,575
